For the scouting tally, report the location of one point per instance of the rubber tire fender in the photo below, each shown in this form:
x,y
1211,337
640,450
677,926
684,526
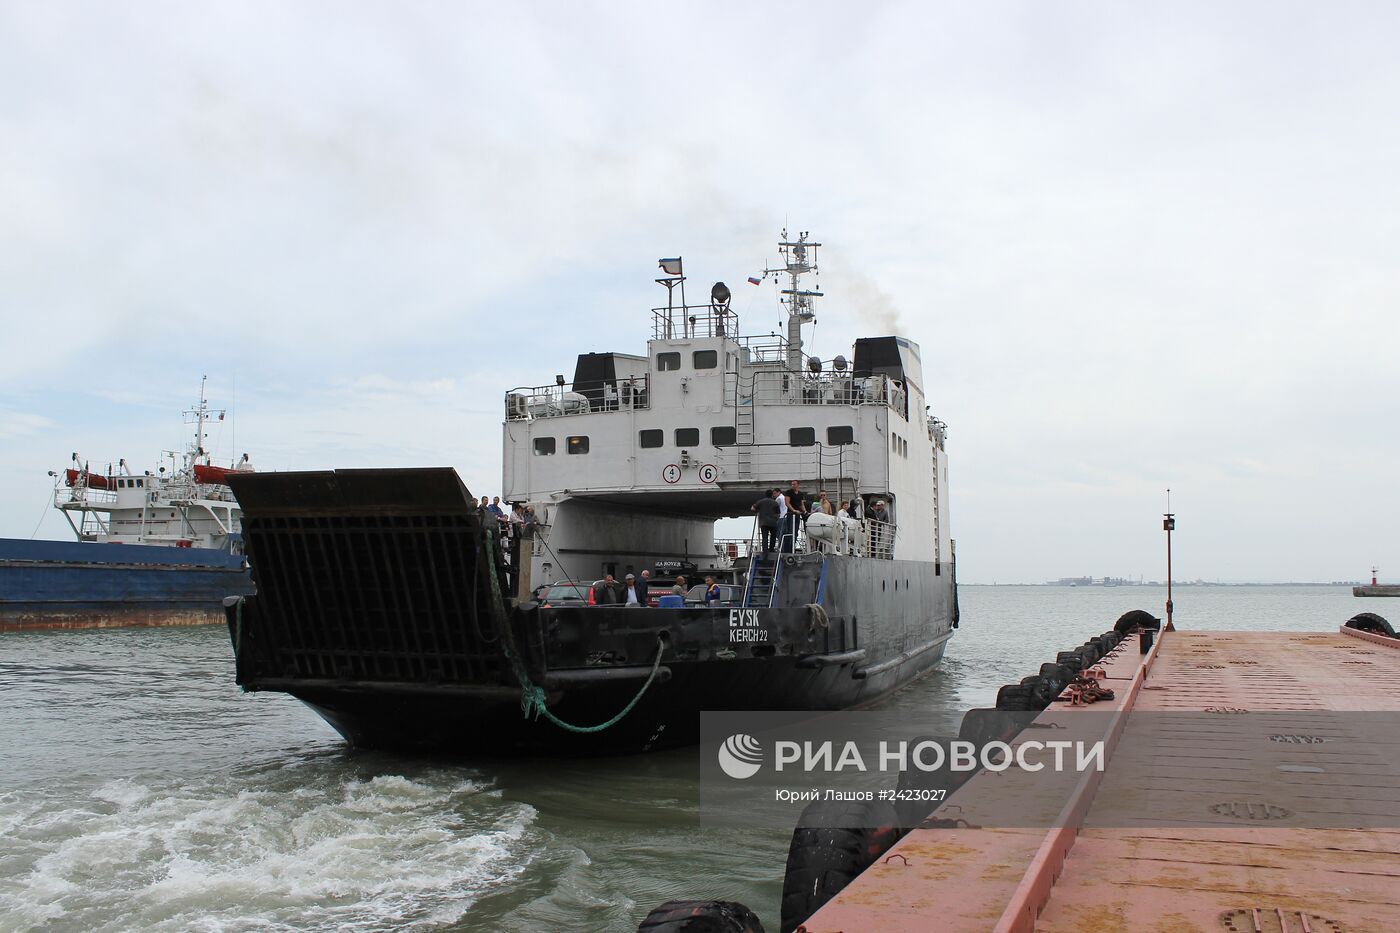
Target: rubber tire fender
x,y
912,812
1043,691
1014,698
834,842
1136,618
1370,622
701,917
980,726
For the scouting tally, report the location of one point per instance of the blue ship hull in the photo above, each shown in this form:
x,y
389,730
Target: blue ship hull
x,y
66,584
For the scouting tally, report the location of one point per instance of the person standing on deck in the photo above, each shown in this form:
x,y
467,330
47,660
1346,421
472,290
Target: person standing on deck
x,y
784,510
643,584
882,533
767,511
633,594
797,503
606,592
712,592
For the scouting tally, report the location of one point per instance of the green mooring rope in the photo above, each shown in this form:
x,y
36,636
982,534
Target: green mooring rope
x,y
532,698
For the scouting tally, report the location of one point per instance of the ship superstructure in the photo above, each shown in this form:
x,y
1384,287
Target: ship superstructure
x,y
633,461
188,504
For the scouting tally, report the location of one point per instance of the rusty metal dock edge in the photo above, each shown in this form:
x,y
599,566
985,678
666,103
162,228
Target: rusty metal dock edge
x,y
933,879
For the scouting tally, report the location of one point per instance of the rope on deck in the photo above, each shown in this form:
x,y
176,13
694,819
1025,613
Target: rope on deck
x,y
533,703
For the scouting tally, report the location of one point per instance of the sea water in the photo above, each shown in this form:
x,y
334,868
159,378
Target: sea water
x,y
141,790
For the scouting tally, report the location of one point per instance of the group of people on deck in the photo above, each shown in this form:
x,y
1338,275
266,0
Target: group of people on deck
x,y
520,521
634,590
781,512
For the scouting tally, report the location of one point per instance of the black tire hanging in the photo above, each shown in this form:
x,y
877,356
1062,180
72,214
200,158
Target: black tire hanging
x,y
1136,618
1370,622
1014,698
833,843
701,917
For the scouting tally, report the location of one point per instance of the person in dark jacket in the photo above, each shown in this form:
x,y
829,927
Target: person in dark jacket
x,y
767,510
607,592
797,512
642,582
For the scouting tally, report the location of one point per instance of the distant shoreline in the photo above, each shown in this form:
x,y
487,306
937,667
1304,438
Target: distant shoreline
x,y
1161,585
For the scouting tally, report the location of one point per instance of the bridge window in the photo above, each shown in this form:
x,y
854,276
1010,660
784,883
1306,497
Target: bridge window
x,y
840,434
705,359
802,437
577,444
687,437
544,446
665,362
651,438
723,436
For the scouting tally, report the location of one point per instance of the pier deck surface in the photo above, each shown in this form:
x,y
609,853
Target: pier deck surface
x,y
1189,873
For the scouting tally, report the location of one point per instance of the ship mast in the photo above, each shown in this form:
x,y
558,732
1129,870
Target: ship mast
x,y
799,258
199,416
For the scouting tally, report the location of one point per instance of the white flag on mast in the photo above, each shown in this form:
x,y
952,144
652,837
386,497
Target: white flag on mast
x,y
671,266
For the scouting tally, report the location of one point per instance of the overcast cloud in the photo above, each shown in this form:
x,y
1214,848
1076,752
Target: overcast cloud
x,y
1141,245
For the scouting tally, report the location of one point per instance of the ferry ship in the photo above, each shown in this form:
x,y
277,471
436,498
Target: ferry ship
x,y
155,548
406,615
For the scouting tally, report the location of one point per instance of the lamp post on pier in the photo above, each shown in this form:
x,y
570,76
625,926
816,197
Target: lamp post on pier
x,y
1169,525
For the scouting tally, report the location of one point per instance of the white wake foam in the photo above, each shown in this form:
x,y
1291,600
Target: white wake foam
x,y
278,853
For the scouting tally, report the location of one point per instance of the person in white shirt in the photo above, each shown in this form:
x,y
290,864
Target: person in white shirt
x,y
783,510
631,598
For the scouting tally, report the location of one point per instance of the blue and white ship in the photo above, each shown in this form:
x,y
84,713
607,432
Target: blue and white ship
x,y
152,548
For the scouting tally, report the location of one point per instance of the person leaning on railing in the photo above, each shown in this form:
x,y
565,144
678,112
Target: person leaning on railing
x,y
882,529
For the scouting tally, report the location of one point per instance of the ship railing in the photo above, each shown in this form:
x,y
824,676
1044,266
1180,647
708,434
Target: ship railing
x,y
857,538
754,545
625,393
764,349
879,539
187,490
729,550
82,495
835,464
784,387
686,321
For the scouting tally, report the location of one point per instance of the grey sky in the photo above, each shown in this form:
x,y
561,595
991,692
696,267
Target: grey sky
x,y
1141,245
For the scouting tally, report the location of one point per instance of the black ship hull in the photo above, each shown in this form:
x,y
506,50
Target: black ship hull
x,y
381,605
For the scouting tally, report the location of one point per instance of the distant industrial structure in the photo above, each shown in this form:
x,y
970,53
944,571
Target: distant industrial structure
x,y
1094,581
